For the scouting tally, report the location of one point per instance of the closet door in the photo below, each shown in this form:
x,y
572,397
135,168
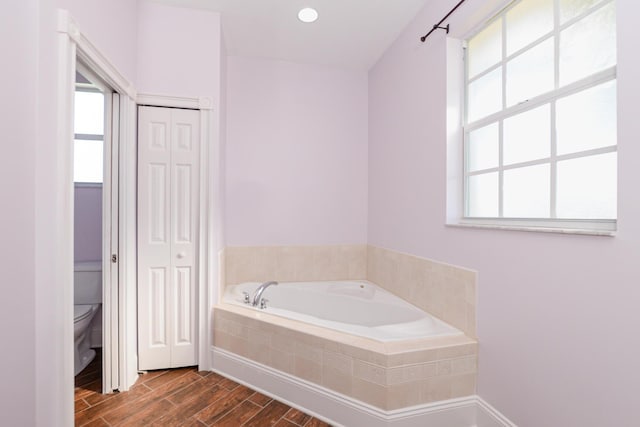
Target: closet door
x,y
168,175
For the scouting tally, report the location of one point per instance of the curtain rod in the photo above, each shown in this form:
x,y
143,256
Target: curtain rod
x,y
437,26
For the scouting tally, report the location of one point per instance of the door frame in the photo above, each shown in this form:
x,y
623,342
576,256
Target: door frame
x,y
205,271
73,48
110,230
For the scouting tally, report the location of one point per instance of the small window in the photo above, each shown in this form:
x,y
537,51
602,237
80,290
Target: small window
x,y
540,142
89,136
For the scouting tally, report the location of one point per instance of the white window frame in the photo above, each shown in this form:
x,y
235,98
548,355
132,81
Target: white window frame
x,y
552,224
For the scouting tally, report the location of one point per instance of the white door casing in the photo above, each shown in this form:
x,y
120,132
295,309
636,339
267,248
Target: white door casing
x,y
168,195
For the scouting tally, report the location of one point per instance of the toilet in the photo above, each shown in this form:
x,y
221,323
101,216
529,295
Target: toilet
x,y
87,299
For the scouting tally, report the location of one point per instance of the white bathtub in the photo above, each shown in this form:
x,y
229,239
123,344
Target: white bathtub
x,y
359,308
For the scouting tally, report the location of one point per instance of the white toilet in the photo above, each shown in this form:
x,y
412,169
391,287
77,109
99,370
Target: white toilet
x,y
87,283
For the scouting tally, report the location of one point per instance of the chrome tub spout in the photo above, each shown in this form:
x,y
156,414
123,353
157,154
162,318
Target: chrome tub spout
x,y
257,296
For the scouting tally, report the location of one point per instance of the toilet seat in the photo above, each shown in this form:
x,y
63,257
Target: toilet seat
x,y
82,312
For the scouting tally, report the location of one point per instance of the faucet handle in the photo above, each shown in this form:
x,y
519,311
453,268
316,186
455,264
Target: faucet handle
x,y
247,299
263,303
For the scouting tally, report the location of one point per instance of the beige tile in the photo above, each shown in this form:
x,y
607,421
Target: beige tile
x,y
411,373
362,352
373,264
403,395
338,362
240,265
282,361
464,365
395,376
412,357
470,292
471,320
428,370
265,264
259,337
463,385
369,372
287,261
308,352
304,264
259,353
336,381
436,388
321,262
307,370
337,372
371,393
444,367
455,312
230,343
456,351
357,262
283,341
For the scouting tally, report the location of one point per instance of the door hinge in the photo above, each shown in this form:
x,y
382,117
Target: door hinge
x,y
114,258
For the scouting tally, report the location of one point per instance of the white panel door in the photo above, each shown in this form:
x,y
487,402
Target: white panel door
x,y
168,175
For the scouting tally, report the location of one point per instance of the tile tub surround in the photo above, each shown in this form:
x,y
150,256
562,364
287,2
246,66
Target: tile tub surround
x,y
388,376
294,263
443,290
446,291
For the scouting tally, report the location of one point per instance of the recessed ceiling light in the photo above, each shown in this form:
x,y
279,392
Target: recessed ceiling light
x,y
308,14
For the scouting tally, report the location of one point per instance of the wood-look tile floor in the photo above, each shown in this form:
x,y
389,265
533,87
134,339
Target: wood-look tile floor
x,y
180,397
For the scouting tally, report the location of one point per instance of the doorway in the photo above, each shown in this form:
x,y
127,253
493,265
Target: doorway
x,y
96,227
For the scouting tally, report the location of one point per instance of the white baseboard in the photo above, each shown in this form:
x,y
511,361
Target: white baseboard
x,y
340,410
488,416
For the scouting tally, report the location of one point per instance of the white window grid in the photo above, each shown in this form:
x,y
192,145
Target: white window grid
x,y
549,98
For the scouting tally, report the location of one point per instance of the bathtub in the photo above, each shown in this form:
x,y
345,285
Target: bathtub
x,y
355,307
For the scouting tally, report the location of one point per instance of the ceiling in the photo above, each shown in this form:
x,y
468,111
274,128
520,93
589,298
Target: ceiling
x,y
348,33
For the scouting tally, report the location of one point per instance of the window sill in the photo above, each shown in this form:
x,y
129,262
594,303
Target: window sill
x,y
583,232
87,184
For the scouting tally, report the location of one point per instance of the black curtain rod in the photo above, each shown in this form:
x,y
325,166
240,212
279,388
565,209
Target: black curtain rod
x,y
437,26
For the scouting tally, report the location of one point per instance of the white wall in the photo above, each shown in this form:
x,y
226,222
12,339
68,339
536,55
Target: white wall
x,y
296,169
557,314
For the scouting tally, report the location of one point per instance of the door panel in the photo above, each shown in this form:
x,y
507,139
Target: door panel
x,y
183,306
167,240
158,189
158,307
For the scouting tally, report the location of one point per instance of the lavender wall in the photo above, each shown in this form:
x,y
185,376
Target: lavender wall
x,y
556,313
110,25
87,223
296,168
178,51
18,107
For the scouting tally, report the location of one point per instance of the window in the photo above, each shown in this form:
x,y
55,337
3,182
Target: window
x,y
89,136
540,128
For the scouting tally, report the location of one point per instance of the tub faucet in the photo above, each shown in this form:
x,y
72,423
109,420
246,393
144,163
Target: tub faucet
x,y
258,294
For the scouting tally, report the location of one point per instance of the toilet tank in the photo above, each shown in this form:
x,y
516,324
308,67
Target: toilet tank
x,y
87,282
